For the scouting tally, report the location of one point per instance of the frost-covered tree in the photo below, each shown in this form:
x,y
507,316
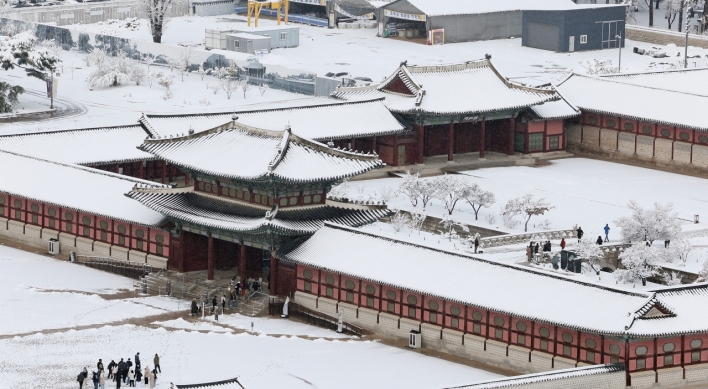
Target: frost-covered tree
x,y
479,198
98,56
385,194
528,207
157,12
417,220
703,273
228,80
112,72
137,74
263,88
673,8
165,80
590,252
448,227
201,72
20,50
672,278
680,249
245,86
410,186
640,262
400,221
450,189
429,189
659,223
184,62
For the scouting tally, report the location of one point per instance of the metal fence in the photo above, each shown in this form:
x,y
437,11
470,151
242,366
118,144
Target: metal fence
x,y
295,18
307,315
129,269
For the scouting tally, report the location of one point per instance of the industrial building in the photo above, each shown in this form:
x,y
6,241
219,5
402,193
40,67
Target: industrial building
x,y
276,37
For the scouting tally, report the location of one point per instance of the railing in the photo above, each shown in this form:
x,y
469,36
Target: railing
x,y
255,303
295,18
307,315
505,240
125,268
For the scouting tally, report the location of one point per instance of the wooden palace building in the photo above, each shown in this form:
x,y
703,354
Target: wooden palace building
x,y
465,108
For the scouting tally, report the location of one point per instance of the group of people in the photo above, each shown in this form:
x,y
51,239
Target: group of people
x,y
534,247
126,372
238,290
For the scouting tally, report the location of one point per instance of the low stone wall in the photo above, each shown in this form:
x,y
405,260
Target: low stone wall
x,y
662,37
496,353
505,240
36,236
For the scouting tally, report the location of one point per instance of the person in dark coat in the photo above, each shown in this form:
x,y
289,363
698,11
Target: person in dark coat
x,y
122,369
213,304
110,369
476,244
82,377
137,361
580,234
99,365
195,308
95,379
599,240
156,362
128,365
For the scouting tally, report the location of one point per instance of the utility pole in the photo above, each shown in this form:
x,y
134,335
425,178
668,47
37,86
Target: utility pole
x,y
689,15
619,44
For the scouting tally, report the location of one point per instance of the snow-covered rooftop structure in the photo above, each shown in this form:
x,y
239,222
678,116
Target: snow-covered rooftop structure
x,y
692,81
608,96
502,287
468,7
600,374
469,88
90,146
318,119
243,153
76,187
225,215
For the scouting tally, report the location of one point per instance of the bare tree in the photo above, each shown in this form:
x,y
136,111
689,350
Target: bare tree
x,y
681,248
478,198
672,278
417,220
448,228
201,72
673,8
157,12
245,86
450,190
528,207
184,62
137,74
410,186
400,221
263,88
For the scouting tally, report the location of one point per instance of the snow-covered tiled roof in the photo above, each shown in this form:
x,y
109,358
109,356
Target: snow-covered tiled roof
x,y
486,284
245,153
228,215
469,88
75,187
608,97
466,7
547,378
682,300
91,146
225,384
320,119
691,81
555,110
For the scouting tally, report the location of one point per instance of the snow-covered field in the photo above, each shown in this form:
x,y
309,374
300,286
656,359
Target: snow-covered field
x,y
67,324
586,192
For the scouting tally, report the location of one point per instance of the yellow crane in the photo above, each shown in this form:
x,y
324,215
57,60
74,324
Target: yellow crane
x,y
255,6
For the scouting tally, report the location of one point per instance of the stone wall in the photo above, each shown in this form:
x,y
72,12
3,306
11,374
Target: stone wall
x,y
36,236
662,37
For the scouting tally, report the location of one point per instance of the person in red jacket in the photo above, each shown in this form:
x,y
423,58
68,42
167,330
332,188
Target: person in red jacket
x,y
563,244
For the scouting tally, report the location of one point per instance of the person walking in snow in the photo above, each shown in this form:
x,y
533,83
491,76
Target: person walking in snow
x,y
607,232
95,379
138,378
137,361
156,362
476,243
101,380
599,240
83,374
110,368
666,243
195,310
99,365
562,243
223,303
580,234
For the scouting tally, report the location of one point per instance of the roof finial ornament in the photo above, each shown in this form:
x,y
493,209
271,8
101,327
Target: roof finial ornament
x,y
404,63
330,144
488,56
287,127
234,117
191,130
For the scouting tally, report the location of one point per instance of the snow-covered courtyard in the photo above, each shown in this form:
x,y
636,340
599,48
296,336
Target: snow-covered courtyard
x,y
59,317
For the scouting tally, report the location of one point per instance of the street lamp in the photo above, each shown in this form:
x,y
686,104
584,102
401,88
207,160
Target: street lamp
x,y
619,44
689,15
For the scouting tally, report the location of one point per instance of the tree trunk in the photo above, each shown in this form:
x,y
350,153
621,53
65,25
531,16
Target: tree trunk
x,y
657,4
157,38
651,12
680,23
644,282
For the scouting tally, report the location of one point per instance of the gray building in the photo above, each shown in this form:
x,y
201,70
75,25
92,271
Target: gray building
x,y
247,43
451,21
280,37
591,27
212,7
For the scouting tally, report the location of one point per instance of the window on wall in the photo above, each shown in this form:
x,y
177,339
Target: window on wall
x,y
665,133
69,217
104,227
629,126
160,239
583,39
476,326
545,333
614,353
592,120
641,351
18,209
521,327
140,234
647,129
535,142
121,237
696,350
283,36
669,359
411,312
554,142
684,136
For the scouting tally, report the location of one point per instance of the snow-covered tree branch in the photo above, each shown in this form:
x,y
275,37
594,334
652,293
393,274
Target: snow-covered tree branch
x,y
590,252
659,223
526,206
478,198
640,262
157,12
449,189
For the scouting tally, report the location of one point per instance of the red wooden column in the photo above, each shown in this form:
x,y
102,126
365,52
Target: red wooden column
x,y
353,144
210,258
186,179
545,136
450,141
273,285
395,150
242,262
512,131
141,172
373,144
164,172
482,136
421,142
